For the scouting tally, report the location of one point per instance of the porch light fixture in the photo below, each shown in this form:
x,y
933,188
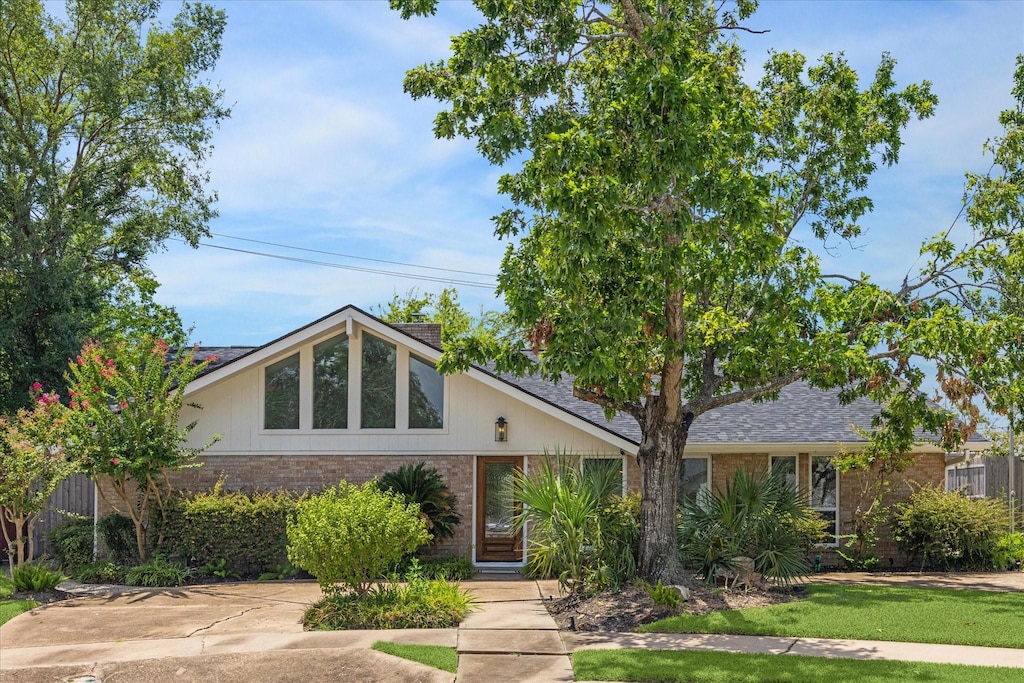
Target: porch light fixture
x,y
501,430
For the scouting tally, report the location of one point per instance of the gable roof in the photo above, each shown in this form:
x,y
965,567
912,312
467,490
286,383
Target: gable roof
x,y
801,415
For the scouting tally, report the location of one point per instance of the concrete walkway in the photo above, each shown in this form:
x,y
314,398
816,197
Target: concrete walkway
x,y
512,638
240,633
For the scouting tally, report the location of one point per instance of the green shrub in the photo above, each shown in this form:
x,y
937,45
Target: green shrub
x,y
279,572
352,535
229,534
156,573
32,578
100,572
118,535
6,587
424,486
756,516
1009,551
949,530
453,568
72,542
419,603
665,596
581,531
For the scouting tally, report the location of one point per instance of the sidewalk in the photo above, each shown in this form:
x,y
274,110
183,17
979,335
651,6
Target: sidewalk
x,y
240,633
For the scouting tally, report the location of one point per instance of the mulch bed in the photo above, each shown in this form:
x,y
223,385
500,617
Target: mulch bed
x,y
632,607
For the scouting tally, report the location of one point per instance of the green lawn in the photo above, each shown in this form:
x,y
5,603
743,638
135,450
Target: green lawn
x,y
727,667
437,656
913,615
12,608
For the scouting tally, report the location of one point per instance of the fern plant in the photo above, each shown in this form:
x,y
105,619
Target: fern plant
x,y
33,578
424,485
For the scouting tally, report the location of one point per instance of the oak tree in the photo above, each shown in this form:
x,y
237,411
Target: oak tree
x,y
663,213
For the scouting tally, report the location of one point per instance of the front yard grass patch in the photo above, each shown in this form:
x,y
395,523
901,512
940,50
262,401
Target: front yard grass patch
x,y
12,608
893,613
729,667
420,603
437,656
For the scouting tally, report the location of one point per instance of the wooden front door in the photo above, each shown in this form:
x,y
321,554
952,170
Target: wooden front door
x,y
495,508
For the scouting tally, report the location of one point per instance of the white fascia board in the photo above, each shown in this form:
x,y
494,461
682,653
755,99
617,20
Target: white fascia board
x,y
274,348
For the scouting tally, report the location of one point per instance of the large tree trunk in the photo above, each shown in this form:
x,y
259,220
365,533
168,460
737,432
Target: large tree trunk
x,y
660,457
664,423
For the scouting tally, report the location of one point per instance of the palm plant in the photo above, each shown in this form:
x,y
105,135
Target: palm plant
x,y
424,485
579,530
757,516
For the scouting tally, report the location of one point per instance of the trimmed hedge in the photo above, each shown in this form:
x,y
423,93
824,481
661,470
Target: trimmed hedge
x,y
243,534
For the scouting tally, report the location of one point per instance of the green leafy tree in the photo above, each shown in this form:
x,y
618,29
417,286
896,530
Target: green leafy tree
x,y
105,126
351,535
33,462
662,215
125,402
443,309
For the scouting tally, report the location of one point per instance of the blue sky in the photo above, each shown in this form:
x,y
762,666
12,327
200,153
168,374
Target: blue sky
x,y
324,151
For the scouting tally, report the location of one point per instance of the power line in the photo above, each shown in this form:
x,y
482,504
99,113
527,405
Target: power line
x,y
360,258
376,271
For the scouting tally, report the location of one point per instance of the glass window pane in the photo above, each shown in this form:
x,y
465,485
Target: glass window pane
x,y
330,383
830,531
784,467
379,373
693,479
426,395
608,469
499,504
281,394
823,482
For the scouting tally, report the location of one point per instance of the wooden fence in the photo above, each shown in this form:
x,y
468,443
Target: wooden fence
x,y
76,495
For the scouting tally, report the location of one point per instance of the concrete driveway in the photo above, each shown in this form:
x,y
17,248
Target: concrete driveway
x,y
246,633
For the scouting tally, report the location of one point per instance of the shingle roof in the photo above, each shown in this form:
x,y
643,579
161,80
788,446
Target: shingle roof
x,y
802,414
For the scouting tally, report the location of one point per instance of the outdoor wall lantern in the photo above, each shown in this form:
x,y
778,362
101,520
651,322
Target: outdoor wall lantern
x,y
501,430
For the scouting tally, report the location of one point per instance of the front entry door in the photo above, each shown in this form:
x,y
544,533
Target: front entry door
x,y
495,540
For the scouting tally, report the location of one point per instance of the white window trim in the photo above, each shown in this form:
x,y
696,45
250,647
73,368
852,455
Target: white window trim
x,y
810,493
622,465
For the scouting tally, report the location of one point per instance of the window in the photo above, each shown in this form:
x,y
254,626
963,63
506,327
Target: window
x,y
606,467
784,467
330,383
693,479
379,375
825,494
281,394
969,480
426,395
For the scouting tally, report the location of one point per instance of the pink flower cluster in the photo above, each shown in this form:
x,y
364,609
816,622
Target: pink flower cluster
x,y
41,397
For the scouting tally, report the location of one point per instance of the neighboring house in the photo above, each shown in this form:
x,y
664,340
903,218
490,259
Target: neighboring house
x,y
350,397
